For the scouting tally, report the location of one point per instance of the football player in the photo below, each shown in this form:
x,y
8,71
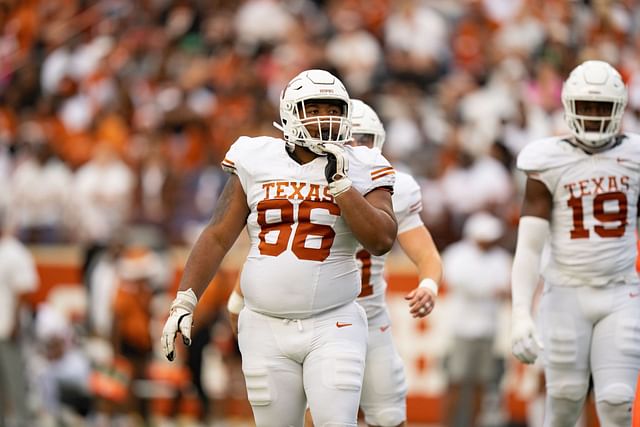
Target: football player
x,y
384,389
582,195
308,202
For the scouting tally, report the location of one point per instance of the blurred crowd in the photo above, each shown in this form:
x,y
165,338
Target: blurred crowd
x,y
116,113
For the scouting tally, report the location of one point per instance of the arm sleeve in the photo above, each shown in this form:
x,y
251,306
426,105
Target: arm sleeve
x,y
525,273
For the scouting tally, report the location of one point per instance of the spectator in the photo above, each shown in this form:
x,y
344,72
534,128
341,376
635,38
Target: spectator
x,y
131,331
40,190
354,52
103,193
18,276
478,275
64,369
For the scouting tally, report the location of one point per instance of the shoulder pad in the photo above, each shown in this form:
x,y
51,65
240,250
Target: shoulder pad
x,y
548,153
243,150
628,150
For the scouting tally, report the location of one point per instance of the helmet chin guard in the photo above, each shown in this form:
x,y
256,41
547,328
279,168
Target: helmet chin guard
x,y
314,86
594,81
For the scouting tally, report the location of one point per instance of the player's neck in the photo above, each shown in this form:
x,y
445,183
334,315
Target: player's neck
x,y
301,154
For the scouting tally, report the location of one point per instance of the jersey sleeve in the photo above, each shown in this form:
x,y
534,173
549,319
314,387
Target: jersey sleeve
x,y
370,170
235,161
407,203
543,160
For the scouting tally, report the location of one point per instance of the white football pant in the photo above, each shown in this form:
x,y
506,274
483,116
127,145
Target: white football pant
x,y
595,331
384,390
287,362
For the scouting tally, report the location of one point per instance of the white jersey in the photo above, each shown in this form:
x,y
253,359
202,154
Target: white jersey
x,y
18,276
301,260
407,204
595,208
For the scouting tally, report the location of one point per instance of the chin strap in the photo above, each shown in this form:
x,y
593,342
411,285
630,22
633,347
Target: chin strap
x,y
278,126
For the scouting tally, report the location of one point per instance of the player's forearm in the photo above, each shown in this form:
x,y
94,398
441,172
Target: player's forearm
x,y
418,245
532,234
374,228
430,267
227,221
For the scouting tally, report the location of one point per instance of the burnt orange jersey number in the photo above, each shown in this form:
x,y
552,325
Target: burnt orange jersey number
x,y
614,220
284,226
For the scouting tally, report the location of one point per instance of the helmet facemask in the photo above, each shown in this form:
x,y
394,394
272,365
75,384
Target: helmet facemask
x,y
304,122
314,130
595,131
594,98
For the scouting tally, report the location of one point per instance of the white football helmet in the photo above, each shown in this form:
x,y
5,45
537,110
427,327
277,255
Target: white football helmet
x,y
594,81
364,120
314,85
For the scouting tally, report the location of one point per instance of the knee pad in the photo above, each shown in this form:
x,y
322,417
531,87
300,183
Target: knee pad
x,y
572,392
388,417
258,390
564,403
616,394
614,405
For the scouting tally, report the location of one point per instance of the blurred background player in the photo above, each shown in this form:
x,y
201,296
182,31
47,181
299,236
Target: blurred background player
x,y
301,334
478,278
384,389
582,193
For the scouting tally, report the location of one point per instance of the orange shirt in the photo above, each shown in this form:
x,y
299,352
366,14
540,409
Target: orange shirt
x,y
131,314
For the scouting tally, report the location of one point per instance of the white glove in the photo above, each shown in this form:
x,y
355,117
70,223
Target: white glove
x,y
337,169
525,342
180,319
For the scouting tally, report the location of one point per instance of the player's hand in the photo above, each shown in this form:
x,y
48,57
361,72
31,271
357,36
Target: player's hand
x,y
337,169
421,302
525,342
180,320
